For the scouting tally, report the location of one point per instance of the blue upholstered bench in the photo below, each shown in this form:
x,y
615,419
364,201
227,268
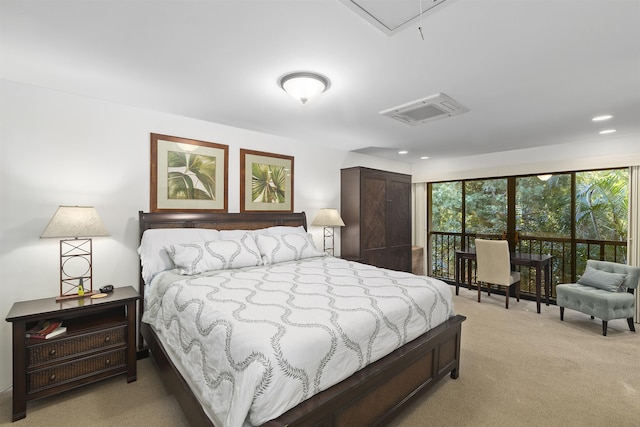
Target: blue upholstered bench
x,y
605,291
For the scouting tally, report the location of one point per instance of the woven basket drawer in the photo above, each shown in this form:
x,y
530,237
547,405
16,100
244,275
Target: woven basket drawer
x,y
60,348
75,369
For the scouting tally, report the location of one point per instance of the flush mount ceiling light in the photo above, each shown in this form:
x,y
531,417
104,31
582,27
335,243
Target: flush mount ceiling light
x,y
304,86
602,118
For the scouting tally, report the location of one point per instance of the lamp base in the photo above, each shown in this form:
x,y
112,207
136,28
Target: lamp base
x,y
328,241
77,253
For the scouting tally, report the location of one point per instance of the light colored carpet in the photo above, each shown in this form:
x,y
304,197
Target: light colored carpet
x,y
111,402
518,368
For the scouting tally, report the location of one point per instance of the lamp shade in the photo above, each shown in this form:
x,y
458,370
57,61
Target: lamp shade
x,y
328,218
304,86
75,221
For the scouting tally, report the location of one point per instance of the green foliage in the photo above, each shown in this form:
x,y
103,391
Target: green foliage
x,y
543,218
602,204
543,208
447,212
486,206
191,176
268,183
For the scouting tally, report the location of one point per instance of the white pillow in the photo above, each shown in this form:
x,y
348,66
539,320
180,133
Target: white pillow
x,y
153,255
198,257
276,248
233,234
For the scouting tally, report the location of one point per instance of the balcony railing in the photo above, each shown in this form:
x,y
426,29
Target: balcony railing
x,y
569,258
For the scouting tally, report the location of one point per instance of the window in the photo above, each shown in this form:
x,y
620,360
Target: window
x,y
573,216
543,207
486,206
447,211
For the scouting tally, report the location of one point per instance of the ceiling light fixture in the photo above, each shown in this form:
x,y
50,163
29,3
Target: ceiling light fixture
x,y
601,118
606,131
403,152
304,86
424,157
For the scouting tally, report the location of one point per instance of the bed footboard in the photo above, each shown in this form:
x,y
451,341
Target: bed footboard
x,y
372,396
379,392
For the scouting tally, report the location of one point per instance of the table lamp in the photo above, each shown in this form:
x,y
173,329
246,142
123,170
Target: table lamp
x,y
77,224
328,218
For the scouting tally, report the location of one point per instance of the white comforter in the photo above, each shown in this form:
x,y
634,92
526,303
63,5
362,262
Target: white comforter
x,y
254,342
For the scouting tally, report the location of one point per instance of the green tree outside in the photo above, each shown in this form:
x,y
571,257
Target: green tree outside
x,y
543,213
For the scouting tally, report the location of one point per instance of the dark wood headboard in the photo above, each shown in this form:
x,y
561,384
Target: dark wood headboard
x,y
220,221
217,221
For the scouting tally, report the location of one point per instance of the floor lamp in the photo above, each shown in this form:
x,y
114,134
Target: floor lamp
x,y
77,224
328,218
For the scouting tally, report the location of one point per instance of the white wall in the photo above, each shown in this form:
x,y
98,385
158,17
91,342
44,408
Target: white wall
x,y
58,149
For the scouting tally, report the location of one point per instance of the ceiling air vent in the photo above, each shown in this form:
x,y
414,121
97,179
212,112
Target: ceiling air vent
x,y
423,110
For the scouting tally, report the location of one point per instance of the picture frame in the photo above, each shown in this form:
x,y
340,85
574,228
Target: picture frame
x,y
188,175
266,182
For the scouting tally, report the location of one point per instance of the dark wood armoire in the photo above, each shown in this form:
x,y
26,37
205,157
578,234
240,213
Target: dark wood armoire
x,y
375,206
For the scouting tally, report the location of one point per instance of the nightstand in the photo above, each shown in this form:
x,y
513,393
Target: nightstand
x,y
100,342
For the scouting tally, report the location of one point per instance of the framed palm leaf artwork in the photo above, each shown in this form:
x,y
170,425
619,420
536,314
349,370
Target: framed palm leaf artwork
x,y
266,182
188,175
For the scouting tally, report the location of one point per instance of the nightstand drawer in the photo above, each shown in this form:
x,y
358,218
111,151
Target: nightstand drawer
x,y
75,369
51,351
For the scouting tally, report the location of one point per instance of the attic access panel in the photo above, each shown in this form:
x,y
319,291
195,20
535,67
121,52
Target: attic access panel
x,y
391,16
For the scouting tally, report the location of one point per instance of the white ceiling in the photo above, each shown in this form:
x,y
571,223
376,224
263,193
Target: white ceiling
x,y
532,72
392,16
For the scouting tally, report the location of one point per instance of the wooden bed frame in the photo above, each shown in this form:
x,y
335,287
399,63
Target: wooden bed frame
x,y
372,396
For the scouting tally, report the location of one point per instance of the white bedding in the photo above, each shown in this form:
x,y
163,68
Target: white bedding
x,y
256,341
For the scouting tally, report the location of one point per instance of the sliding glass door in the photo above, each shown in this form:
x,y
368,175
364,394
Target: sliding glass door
x,y
573,216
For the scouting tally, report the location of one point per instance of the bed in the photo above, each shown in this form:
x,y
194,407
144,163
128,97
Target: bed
x,y
375,388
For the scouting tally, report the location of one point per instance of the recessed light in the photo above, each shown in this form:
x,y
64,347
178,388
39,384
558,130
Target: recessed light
x,y
606,131
402,152
601,118
424,157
